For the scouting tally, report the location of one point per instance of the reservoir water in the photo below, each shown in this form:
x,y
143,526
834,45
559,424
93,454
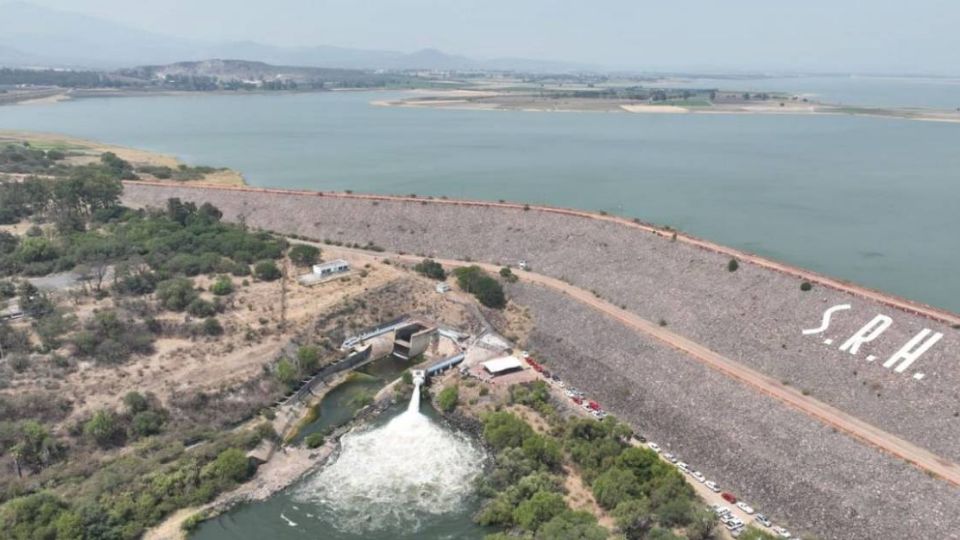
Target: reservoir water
x,y
871,200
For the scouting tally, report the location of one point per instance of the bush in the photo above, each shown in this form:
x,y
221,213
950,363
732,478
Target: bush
x,y
222,287
508,275
212,327
733,265
104,428
806,286
201,308
308,356
146,423
176,294
231,466
487,290
135,402
314,440
304,255
266,270
447,399
431,269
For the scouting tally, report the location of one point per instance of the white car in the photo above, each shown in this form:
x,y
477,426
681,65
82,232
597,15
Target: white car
x,y
699,476
781,532
683,467
712,486
654,446
670,457
747,509
720,510
734,523
763,520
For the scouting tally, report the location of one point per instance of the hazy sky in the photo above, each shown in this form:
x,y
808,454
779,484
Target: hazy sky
x,y
840,35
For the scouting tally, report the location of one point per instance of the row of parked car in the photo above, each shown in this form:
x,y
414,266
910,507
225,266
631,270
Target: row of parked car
x,y
734,524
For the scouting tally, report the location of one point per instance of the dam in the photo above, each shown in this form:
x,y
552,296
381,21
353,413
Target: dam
x,y
755,316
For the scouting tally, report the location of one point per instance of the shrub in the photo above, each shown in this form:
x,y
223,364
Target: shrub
x,y
308,356
266,270
508,275
806,286
314,440
104,428
447,398
304,255
231,466
146,423
212,327
733,265
176,294
201,308
222,287
487,290
135,402
431,269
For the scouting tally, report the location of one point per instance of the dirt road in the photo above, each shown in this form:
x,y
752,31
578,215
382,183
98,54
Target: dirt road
x,y
831,416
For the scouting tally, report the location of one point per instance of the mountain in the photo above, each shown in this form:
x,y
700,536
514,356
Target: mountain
x,y
36,36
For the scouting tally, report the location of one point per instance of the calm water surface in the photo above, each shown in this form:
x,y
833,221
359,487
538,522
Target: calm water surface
x,y
866,199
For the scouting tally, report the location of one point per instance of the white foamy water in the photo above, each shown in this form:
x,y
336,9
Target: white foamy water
x,y
391,476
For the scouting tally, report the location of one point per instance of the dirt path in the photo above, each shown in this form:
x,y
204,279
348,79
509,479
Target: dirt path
x,y
831,416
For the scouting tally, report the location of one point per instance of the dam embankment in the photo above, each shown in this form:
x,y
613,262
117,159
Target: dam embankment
x,y
755,315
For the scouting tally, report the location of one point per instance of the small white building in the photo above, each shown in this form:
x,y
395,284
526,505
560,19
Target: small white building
x,y
502,366
336,266
442,287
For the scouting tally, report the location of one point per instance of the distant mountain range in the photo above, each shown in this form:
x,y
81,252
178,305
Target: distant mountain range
x,y
33,36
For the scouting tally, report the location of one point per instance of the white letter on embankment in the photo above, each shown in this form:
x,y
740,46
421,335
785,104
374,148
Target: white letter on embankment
x,y
826,319
868,333
909,356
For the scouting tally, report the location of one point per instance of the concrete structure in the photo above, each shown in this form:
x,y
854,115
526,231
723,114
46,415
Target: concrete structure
x,y
336,266
442,287
412,339
502,366
445,364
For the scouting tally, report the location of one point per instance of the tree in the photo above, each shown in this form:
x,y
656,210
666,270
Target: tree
x,y
570,525
222,287
508,275
614,486
104,428
146,423
304,255
544,450
231,466
266,270
212,327
314,440
176,294
487,290
34,447
447,399
539,509
286,372
633,518
505,430
431,269
135,402
733,265
308,356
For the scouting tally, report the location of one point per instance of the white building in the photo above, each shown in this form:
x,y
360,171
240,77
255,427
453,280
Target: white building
x,y
336,266
502,366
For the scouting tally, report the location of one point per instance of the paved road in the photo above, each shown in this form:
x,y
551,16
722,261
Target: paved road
x,y
831,416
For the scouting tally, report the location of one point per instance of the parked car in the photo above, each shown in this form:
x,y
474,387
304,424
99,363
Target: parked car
x,y
654,446
683,467
747,509
699,476
712,486
720,509
763,520
729,497
781,532
639,438
670,457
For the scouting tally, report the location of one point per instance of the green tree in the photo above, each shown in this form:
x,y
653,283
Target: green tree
x,y
431,269
733,265
231,466
505,430
146,423
304,255
487,290
543,449
539,509
286,372
314,440
614,486
176,294
266,270
135,402
222,287
634,518
308,356
104,428
570,525
212,327
447,398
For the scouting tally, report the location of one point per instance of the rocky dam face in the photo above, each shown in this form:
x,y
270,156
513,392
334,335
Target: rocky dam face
x,y
875,358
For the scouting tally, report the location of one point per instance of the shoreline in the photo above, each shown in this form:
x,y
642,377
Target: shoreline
x,y
913,307
526,103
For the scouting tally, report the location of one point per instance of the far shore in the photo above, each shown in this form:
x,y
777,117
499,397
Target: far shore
x,y
487,101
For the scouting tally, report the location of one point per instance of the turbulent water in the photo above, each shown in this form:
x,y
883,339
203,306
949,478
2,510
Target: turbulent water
x,y
390,477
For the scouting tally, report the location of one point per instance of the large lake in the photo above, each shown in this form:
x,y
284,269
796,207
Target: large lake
x,y
872,200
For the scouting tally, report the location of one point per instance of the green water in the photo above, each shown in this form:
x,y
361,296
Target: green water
x,y
870,200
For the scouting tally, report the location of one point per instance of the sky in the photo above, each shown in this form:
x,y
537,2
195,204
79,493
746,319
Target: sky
x,y
916,36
